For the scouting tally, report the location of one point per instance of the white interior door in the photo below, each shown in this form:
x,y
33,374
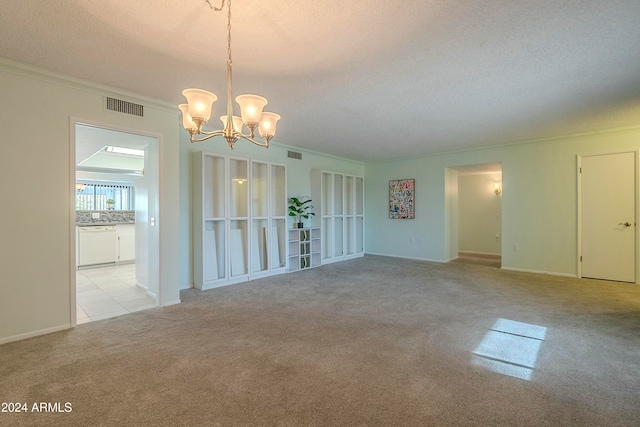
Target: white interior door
x,y
608,200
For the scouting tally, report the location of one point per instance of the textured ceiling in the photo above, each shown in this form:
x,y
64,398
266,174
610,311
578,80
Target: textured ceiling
x,y
367,79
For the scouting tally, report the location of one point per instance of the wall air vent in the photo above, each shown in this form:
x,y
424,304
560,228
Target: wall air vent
x,y
294,155
125,107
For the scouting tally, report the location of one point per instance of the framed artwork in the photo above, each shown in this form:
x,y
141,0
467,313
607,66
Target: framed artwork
x,y
402,198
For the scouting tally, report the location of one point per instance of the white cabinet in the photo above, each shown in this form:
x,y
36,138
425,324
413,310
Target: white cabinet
x,y
96,245
105,244
339,200
126,242
268,220
304,248
239,219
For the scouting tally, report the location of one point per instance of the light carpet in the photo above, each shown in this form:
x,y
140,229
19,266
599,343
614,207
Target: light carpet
x,y
374,341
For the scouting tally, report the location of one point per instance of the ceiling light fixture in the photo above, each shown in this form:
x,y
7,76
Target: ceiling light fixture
x,y
197,111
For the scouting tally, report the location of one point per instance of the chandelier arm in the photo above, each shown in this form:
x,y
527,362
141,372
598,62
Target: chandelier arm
x,y
258,143
209,136
212,132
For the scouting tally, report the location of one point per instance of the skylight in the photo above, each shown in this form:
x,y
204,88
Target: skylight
x,y
124,150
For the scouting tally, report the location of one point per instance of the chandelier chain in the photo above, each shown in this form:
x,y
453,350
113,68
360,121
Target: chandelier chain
x,y
193,123
228,31
217,9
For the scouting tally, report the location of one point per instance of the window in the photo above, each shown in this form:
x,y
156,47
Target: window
x,y
94,197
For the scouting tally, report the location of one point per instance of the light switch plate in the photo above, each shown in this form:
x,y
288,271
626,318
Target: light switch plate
x,y
95,215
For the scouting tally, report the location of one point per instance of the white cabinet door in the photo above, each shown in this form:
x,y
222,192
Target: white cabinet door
x,y
126,236
96,245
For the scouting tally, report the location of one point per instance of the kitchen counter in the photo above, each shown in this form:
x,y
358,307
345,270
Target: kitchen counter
x,y
91,218
98,223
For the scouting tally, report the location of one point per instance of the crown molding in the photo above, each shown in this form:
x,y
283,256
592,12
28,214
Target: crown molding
x,y
41,74
565,137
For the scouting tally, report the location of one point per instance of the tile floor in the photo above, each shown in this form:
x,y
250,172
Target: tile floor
x,y
110,291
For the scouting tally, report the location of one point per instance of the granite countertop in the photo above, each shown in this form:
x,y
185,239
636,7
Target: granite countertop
x,y
103,223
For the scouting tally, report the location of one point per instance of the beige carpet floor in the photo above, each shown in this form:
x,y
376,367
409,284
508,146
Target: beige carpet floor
x,y
374,341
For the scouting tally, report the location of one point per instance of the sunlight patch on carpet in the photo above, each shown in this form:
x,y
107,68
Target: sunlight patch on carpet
x,y
510,348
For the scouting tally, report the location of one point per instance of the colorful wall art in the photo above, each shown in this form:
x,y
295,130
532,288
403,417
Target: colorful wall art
x,y
402,198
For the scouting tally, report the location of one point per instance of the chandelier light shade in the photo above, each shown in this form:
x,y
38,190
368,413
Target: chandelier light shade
x,y
268,125
200,103
251,110
187,122
237,123
197,111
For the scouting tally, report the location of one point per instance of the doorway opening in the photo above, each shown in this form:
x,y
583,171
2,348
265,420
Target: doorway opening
x,y
475,217
116,190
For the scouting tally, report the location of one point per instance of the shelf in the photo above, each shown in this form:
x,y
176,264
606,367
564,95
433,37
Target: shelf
x,y
359,196
340,200
259,190
304,244
348,195
278,191
235,238
338,194
212,182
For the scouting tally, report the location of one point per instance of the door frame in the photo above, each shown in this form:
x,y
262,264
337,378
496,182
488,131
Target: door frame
x,y
579,158
452,213
154,251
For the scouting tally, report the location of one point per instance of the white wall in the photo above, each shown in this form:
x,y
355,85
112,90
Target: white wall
x,y
36,259
539,200
451,214
298,180
36,256
480,214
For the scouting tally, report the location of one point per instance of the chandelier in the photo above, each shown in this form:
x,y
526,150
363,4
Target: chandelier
x,y
197,111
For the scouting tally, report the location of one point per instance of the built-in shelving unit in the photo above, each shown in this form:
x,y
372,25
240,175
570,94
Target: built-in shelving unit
x,y
339,198
239,219
304,248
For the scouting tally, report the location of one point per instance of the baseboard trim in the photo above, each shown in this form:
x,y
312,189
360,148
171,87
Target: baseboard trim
x,y
479,253
549,273
408,257
174,302
146,289
520,270
32,334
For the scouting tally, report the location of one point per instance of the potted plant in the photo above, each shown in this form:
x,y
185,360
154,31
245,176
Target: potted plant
x,y
300,208
111,204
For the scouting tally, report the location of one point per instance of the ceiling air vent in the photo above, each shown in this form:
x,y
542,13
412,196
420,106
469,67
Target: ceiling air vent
x,y
294,155
125,107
